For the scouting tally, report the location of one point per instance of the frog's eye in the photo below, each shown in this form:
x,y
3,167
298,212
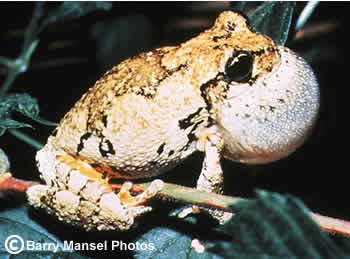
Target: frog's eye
x,y
239,67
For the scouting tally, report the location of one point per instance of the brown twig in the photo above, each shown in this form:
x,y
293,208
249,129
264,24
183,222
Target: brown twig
x,y
9,183
187,195
212,200
332,225
315,30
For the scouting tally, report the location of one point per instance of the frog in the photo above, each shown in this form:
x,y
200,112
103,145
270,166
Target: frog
x,y
229,92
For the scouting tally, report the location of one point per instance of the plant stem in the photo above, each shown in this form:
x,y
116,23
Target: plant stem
x,y
7,62
24,137
332,225
193,196
16,67
305,14
32,30
212,200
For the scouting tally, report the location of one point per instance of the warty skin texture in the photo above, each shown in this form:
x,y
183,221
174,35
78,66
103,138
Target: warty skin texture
x,y
229,92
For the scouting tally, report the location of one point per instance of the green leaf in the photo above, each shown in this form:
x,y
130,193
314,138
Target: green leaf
x,y
171,243
273,19
270,226
275,226
22,103
16,222
12,124
28,106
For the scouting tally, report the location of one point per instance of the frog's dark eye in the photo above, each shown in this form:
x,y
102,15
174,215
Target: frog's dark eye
x,y
239,67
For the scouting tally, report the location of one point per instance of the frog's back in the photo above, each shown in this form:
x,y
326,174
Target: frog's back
x,y
147,113
139,118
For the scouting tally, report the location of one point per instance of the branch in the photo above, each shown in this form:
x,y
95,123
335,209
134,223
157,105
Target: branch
x,y
8,183
173,192
332,225
316,30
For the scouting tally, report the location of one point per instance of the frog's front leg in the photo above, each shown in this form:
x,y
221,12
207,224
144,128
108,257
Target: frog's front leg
x,y
211,178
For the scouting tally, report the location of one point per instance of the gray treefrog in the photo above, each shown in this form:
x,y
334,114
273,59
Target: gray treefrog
x,y
229,92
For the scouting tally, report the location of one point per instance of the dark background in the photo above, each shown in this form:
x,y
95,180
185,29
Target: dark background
x,y
71,56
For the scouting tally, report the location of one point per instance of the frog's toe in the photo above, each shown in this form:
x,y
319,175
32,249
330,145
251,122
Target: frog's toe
x,y
221,216
134,201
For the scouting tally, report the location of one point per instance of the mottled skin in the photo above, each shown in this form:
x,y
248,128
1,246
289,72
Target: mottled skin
x,y
229,92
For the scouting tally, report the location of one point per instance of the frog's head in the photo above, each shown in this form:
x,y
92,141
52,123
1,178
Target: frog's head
x,y
268,119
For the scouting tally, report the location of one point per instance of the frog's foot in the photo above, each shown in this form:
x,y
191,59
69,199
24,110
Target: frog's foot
x,y
94,207
221,216
77,194
188,211
132,201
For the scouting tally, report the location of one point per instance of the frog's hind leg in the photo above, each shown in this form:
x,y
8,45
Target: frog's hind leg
x,y
78,194
124,195
84,168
